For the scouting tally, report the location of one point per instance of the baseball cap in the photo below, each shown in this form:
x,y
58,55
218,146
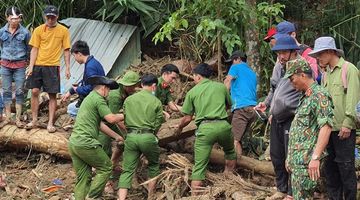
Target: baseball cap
x,y
236,54
271,32
51,10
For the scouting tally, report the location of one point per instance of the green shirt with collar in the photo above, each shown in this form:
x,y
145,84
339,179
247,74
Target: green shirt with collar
x,y
207,100
86,129
344,103
163,92
116,99
143,110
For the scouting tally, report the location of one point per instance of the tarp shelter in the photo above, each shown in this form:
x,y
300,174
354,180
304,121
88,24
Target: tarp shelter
x,y
116,46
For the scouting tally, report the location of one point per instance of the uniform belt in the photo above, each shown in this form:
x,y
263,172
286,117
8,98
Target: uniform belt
x,y
140,131
211,120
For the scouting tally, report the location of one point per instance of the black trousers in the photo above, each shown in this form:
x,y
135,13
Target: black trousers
x,y
340,167
279,139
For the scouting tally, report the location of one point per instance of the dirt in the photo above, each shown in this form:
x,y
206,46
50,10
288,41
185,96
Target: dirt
x,y
29,173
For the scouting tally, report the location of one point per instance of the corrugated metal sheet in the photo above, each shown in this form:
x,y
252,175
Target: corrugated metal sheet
x,y
106,41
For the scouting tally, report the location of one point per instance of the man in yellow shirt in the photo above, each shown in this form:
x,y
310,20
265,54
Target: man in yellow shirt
x,y
48,41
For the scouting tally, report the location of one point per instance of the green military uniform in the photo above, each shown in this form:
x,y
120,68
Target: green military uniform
x,y
315,110
116,99
143,117
208,100
163,92
85,149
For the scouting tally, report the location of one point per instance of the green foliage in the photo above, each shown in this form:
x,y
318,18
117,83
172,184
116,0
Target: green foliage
x,y
196,26
150,13
33,10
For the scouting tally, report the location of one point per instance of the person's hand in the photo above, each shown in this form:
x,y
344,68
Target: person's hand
x,y
66,96
287,167
344,133
67,74
166,115
314,169
29,71
75,88
270,119
261,107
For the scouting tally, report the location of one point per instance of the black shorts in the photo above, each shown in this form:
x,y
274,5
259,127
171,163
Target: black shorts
x,y
45,77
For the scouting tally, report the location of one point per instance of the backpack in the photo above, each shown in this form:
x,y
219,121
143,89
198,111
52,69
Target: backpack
x,y
312,62
344,69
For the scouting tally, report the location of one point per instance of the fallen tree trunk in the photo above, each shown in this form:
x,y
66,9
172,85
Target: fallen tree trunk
x,y
36,139
56,143
261,167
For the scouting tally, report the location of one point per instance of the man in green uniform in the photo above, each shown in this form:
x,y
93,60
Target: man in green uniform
x,y
208,101
84,147
169,74
143,118
310,130
116,98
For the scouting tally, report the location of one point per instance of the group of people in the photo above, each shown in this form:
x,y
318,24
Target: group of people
x,y
311,104
312,115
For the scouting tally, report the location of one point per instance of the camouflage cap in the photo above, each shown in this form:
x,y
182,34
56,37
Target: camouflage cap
x,y
296,66
129,79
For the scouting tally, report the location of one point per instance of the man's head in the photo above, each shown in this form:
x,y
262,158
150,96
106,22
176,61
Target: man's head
x,y
325,50
269,38
130,81
285,48
237,57
169,73
13,16
80,50
51,14
285,28
202,71
300,74
149,82
102,84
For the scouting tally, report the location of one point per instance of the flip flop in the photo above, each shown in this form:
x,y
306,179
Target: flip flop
x,y
30,125
19,124
51,129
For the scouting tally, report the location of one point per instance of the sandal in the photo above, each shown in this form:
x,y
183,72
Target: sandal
x,y
51,129
19,124
30,125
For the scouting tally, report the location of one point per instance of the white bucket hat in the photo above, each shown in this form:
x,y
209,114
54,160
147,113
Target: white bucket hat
x,y
325,43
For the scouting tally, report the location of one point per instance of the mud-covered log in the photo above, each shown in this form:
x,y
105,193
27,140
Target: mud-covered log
x,y
261,167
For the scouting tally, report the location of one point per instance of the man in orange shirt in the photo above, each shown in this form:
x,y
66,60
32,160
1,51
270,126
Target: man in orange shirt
x,y
48,41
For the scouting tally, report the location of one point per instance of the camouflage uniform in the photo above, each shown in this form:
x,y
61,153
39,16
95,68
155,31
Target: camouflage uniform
x,y
315,110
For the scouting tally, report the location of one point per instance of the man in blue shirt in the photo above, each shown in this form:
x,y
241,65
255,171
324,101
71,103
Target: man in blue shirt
x,y
14,47
241,81
81,52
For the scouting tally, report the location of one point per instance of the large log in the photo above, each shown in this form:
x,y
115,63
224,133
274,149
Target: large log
x,y
56,143
261,167
36,139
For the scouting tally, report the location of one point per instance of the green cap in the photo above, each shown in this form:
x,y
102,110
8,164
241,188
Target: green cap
x,y
129,79
296,66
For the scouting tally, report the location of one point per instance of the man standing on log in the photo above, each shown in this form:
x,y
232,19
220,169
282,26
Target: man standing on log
x,y
208,101
116,98
81,52
48,41
283,100
14,39
84,147
143,118
169,74
342,81
241,81
310,130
